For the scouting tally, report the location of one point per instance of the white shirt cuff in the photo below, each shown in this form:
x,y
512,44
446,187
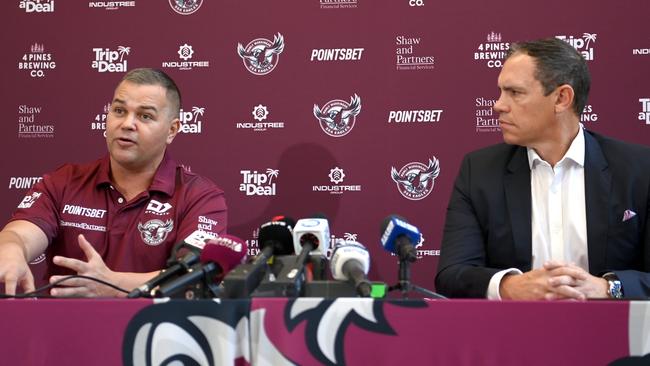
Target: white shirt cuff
x,y
495,282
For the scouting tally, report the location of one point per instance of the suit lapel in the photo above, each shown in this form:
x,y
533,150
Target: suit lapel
x,y
518,200
598,183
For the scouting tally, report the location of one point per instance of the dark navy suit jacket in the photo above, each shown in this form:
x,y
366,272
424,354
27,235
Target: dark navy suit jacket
x,y
488,224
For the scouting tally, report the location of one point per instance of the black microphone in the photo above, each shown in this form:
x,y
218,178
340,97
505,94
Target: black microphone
x,y
175,266
400,237
351,262
275,238
310,236
218,257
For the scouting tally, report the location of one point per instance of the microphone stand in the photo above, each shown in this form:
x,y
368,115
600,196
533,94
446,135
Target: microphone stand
x,y
405,284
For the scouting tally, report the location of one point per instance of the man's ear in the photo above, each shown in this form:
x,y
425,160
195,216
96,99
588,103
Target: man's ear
x,y
173,130
564,99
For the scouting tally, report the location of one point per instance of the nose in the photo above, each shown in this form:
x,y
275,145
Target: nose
x,y
500,105
128,123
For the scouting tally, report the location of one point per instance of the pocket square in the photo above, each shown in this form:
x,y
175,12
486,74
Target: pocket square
x,y
628,214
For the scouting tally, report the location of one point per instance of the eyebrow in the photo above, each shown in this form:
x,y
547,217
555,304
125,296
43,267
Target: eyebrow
x,y
146,107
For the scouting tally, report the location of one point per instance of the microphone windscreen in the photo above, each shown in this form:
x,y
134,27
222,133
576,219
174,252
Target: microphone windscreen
x,y
227,251
279,233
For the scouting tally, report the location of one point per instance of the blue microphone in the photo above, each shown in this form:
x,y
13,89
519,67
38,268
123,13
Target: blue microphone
x,y
400,237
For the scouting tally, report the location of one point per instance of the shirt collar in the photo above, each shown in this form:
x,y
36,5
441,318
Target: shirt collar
x,y
576,151
164,180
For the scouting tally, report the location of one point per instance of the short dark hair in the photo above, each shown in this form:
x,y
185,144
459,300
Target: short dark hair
x,y
147,76
557,63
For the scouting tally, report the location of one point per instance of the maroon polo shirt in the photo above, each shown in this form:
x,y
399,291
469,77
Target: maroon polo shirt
x,y
135,236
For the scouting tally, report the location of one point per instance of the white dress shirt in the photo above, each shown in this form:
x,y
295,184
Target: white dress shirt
x,y
559,218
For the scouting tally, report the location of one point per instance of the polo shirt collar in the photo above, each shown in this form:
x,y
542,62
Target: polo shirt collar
x,y
164,180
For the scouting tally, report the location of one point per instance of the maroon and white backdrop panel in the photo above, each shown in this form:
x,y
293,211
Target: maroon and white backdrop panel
x,y
354,108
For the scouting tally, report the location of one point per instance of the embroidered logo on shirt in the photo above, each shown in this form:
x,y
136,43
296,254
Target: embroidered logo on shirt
x,y
158,208
28,201
154,232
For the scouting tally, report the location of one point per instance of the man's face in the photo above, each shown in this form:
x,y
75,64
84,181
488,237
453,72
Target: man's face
x,y
139,126
526,116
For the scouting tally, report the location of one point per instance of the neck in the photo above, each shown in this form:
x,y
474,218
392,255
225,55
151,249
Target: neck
x,y
553,149
131,182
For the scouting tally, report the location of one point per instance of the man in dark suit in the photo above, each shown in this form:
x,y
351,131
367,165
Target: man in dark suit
x,y
557,212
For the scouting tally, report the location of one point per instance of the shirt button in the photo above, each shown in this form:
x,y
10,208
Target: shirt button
x,y
120,200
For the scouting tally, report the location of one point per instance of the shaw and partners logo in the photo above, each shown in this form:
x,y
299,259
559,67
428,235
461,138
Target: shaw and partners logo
x,y
259,184
190,122
36,61
644,115
338,4
415,180
29,125
408,58
107,60
185,7
486,121
492,51
37,6
337,117
583,44
261,56
336,176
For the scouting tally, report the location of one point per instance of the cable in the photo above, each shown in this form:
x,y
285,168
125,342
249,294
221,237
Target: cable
x,y
36,292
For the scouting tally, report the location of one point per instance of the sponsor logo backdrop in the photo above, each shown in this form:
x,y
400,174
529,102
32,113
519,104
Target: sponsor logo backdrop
x,y
357,108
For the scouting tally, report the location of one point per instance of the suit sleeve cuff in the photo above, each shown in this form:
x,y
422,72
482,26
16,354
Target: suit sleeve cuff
x,y
495,282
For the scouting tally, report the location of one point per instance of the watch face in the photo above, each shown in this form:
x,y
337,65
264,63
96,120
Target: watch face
x,y
615,289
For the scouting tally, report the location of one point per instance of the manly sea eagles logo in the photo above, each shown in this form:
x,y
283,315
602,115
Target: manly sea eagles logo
x,y
415,180
337,117
154,232
185,7
261,56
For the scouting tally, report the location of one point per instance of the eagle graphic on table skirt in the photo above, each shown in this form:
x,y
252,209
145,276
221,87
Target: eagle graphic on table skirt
x,y
279,331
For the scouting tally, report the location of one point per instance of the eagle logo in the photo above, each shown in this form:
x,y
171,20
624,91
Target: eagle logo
x,y
415,180
154,232
337,117
261,56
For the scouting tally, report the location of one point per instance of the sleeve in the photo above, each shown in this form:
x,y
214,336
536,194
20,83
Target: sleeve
x,y
205,209
40,205
636,284
462,270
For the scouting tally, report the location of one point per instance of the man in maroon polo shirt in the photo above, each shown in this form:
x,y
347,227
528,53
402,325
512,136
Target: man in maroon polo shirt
x,y
117,218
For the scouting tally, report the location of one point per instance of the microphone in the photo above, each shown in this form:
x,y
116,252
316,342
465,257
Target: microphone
x,y
218,257
193,244
351,262
400,237
310,236
276,238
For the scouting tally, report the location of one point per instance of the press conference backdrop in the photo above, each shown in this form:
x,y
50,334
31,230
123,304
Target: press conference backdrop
x,y
354,108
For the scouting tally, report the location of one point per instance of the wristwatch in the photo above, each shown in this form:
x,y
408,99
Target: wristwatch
x,y
615,287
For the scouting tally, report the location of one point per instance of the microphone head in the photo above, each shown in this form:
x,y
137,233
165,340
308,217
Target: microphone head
x,y
193,243
395,226
315,231
227,251
345,251
279,233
